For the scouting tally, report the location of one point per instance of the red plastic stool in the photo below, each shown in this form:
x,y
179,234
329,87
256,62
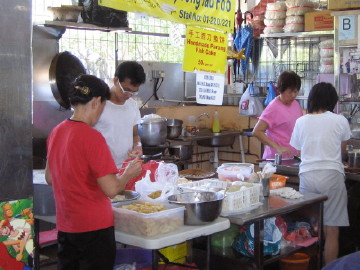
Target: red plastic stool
x,y
48,238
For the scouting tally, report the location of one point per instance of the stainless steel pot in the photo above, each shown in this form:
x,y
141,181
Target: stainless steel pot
x,y
354,158
174,128
152,131
183,152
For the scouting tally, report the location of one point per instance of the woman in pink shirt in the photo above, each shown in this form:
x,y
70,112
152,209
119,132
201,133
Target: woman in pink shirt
x,y
277,121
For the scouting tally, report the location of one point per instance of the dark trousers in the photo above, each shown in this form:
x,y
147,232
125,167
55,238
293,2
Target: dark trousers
x,y
93,250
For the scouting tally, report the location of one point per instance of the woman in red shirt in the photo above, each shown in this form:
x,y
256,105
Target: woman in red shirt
x,y
83,175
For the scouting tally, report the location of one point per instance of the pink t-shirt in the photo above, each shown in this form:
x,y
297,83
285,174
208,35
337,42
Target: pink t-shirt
x,y
281,121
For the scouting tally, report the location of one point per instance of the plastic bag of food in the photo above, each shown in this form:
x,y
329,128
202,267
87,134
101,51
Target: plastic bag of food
x,y
167,173
270,22
326,52
327,68
275,11
154,191
273,29
328,43
294,27
298,7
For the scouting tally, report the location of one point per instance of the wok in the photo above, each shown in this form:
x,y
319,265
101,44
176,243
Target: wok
x,y
64,68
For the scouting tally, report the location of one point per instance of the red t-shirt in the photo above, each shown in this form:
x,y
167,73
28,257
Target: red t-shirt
x,y
77,156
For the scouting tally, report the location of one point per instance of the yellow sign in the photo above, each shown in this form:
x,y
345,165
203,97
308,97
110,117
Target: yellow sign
x,y
205,50
215,14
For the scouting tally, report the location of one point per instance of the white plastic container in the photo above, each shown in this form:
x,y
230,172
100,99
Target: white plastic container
x,y
235,171
148,224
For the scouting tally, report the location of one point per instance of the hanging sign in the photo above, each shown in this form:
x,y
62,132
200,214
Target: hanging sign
x,y
209,88
347,27
205,50
215,14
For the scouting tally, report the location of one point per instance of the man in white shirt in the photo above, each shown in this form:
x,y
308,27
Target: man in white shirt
x,y
121,115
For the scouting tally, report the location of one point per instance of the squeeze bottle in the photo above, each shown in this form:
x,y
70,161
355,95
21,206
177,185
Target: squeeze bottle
x,y
216,123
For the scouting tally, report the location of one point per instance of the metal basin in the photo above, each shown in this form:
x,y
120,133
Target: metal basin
x,y
216,139
200,207
183,152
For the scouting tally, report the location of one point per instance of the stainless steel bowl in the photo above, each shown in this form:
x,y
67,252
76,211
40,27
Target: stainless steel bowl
x,y
183,152
174,128
200,207
129,197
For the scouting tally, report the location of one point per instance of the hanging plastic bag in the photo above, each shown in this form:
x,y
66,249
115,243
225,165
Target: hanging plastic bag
x,y
250,105
271,94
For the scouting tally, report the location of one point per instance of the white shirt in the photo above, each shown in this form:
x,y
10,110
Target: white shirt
x,y
319,138
116,125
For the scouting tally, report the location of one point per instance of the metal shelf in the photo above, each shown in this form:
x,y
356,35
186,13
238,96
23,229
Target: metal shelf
x,y
299,34
85,26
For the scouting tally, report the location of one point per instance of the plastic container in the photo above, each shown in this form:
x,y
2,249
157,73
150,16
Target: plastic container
x,y
148,224
297,261
176,253
247,196
235,171
278,181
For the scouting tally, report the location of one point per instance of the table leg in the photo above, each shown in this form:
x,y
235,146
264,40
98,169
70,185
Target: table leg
x,y
259,243
208,251
37,247
320,253
242,151
155,259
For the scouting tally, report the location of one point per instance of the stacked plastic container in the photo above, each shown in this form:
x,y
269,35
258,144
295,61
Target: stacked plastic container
x,y
326,56
275,15
296,10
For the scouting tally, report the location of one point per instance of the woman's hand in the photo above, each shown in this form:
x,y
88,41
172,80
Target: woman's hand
x,y
134,168
284,150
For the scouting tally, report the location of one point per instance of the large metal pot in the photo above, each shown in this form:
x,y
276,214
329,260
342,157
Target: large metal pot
x,y
174,128
152,131
183,152
200,207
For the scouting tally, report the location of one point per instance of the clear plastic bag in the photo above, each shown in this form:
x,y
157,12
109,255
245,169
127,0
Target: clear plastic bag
x,y
294,19
167,173
145,187
250,105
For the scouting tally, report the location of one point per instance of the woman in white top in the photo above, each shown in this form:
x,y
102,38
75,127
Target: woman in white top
x,y
321,136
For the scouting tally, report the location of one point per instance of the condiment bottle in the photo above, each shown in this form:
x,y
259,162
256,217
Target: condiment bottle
x,y
216,123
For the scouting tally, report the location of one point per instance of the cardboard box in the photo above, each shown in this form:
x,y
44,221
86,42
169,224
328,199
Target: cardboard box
x,y
319,21
343,4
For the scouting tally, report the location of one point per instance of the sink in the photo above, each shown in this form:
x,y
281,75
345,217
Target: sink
x,y
224,138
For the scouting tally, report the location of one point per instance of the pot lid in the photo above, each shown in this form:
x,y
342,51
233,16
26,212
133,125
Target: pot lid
x,y
64,69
